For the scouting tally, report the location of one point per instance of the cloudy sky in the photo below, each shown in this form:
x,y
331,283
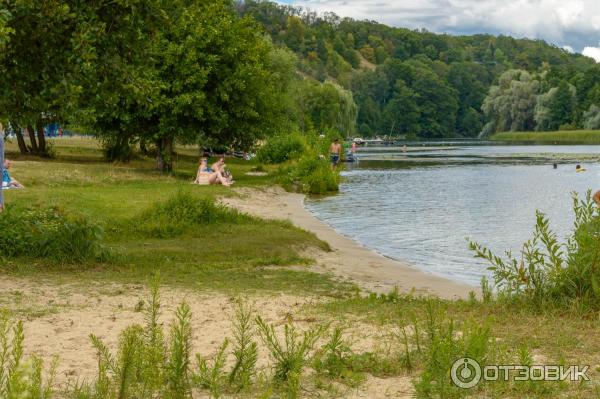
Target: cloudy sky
x,y
572,24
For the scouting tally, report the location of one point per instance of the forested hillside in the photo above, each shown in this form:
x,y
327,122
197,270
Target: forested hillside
x,y
431,85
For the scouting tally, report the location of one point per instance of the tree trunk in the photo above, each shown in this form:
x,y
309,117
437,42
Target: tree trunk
x,y
143,147
159,155
168,156
34,146
20,139
164,154
41,138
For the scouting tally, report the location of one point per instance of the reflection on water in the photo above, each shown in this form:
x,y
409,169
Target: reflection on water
x,y
424,215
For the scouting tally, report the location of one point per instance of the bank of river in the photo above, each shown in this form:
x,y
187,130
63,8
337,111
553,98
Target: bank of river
x,y
424,215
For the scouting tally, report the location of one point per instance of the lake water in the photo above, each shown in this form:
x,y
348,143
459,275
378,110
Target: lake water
x,y
423,215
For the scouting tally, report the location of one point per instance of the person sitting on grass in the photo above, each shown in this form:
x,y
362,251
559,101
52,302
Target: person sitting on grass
x,y
7,180
207,175
220,167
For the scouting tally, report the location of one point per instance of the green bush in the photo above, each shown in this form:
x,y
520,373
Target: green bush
x,y
550,272
311,175
281,148
181,212
49,234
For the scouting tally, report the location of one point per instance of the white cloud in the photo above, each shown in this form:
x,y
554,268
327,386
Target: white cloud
x,y
573,23
593,52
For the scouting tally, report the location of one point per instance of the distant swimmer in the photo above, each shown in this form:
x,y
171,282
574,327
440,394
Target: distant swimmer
x,y
578,169
555,166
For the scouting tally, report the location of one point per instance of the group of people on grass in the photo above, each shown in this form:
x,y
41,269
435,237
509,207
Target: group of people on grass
x,y
215,174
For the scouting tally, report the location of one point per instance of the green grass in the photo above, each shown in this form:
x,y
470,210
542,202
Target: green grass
x,y
550,336
559,137
249,254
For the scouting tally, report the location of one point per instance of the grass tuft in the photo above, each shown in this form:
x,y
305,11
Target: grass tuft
x,y
181,213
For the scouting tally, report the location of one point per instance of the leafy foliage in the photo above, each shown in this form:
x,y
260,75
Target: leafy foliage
x,y
281,148
311,174
48,233
550,272
439,81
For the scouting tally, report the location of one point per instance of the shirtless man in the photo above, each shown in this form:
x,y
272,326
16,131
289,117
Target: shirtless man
x,y
335,153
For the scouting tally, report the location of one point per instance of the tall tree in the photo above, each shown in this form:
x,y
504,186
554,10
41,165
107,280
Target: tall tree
x,y
117,74
510,105
36,68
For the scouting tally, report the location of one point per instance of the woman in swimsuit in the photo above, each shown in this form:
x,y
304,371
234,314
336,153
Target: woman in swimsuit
x,y
219,166
206,175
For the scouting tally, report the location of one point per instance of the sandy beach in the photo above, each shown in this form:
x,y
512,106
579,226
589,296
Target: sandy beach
x,y
59,318
348,259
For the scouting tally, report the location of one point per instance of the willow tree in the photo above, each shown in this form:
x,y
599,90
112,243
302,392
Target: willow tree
x,y
510,105
325,106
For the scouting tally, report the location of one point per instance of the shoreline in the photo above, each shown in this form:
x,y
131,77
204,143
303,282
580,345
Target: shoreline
x,y
348,258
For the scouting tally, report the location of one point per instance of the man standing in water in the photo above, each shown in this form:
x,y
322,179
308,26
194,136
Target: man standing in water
x,y
335,153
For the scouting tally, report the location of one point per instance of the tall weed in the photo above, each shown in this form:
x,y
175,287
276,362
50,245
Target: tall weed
x,y
290,354
549,272
21,377
245,348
